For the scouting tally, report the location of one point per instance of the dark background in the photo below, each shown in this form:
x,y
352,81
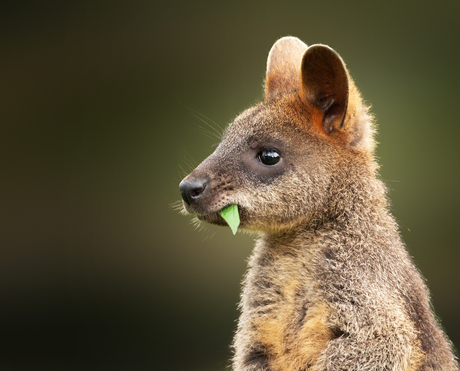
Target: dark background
x,y
101,105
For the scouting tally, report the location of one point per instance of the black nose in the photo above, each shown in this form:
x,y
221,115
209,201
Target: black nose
x,y
193,190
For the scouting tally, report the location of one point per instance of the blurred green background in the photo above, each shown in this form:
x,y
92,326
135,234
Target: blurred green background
x,y
101,105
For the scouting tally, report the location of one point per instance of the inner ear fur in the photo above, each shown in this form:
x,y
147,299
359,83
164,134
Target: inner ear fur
x,y
324,83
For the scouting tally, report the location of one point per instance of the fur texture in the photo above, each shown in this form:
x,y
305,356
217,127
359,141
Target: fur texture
x,y
330,285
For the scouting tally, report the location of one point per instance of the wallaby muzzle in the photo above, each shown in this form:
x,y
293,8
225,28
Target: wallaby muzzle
x,y
192,190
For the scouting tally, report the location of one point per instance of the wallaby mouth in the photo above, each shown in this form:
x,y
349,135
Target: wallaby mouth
x,y
222,217
213,218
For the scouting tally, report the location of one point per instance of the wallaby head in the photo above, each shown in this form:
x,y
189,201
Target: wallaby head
x,y
277,160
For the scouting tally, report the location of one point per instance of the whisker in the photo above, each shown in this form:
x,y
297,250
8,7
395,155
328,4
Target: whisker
x,y
216,130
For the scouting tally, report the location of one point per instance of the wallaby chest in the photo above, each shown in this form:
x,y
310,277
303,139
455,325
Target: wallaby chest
x,y
285,308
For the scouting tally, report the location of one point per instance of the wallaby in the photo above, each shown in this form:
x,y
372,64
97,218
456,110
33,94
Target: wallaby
x,y
330,285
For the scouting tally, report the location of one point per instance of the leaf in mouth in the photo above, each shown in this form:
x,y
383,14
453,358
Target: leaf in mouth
x,y
231,216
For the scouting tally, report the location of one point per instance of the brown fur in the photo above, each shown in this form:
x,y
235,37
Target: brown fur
x,y
330,285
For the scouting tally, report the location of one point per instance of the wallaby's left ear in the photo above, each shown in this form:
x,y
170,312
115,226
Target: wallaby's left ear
x,y
324,83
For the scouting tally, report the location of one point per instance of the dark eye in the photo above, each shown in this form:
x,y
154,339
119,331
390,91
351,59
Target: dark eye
x,y
269,156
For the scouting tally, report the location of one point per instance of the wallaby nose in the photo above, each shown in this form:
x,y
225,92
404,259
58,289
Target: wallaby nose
x,y
192,190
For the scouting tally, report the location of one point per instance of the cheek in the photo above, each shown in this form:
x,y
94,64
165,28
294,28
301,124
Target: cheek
x,y
291,198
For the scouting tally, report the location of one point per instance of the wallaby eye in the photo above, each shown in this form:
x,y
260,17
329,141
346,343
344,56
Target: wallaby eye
x,y
269,156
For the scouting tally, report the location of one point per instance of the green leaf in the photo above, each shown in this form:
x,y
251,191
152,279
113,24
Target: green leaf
x,y
231,216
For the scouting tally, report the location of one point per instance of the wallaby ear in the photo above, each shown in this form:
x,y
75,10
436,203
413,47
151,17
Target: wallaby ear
x,y
283,66
324,83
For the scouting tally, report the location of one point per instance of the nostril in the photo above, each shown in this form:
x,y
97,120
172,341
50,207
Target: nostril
x,y
192,190
195,193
